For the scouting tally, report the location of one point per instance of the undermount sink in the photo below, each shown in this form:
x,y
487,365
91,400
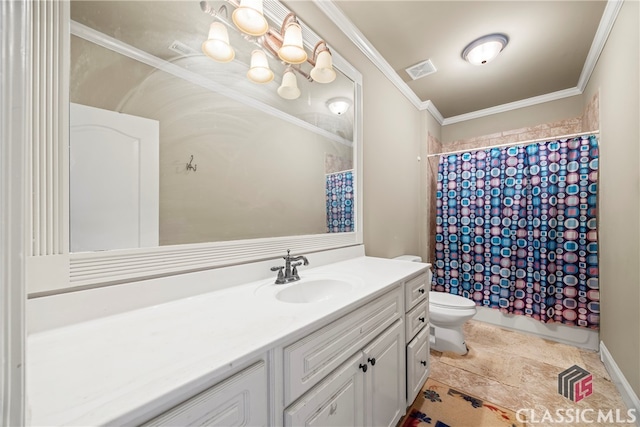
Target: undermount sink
x,y
314,290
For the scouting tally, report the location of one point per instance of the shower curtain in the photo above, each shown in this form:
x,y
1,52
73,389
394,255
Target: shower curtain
x,y
516,230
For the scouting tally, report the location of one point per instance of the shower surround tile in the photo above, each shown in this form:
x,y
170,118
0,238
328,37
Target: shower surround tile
x,y
520,371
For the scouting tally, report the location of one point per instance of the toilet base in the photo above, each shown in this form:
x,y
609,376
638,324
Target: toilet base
x,y
448,339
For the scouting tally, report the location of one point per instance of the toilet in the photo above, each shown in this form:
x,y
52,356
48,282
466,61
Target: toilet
x,y
447,314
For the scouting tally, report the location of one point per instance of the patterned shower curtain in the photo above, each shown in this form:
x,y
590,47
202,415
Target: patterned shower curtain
x,y
516,230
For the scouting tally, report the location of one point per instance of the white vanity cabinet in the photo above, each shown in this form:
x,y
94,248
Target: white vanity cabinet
x,y
349,373
239,400
417,333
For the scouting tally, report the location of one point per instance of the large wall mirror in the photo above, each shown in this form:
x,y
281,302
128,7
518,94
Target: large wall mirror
x,y
179,161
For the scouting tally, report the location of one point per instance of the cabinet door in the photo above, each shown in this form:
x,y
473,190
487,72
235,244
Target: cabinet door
x,y
334,402
240,400
417,364
384,382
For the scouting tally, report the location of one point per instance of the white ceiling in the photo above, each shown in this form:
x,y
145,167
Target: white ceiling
x,y
548,51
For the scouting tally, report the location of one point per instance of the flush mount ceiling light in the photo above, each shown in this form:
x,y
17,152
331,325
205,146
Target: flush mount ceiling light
x,y
339,106
284,44
485,49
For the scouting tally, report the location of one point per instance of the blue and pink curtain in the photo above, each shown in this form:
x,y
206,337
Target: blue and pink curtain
x,y
516,230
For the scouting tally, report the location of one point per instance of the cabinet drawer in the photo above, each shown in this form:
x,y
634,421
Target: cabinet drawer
x,y
417,318
315,356
237,401
415,290
417,364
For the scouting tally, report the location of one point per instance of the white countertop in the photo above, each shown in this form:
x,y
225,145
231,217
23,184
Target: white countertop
x,y
109,370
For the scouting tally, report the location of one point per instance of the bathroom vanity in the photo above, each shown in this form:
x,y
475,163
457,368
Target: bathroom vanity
x,y
252,354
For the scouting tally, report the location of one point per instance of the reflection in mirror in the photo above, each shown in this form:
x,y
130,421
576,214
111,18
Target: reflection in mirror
x,y
234,159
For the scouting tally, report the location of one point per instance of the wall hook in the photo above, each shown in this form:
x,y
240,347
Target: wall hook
x,y
191,166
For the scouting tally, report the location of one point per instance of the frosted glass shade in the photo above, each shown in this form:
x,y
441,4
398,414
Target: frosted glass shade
x,y
249,19
323,72
289,87
485,49
339,106
217,44
292,50
259,72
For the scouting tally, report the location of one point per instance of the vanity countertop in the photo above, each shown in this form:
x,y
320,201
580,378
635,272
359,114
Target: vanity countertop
x,y
109,370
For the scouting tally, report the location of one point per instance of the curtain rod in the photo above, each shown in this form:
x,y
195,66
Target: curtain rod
x,y
531,141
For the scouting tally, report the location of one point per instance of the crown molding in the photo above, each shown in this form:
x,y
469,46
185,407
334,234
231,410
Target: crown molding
x,y
353,33
553,96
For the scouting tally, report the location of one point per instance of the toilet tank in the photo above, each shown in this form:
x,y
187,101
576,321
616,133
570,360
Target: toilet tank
x,y
412,258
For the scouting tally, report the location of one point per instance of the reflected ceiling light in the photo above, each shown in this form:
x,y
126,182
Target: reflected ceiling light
x,y
292,50
259,72
289,87
323,71
339,105
217,44
249,18
485,49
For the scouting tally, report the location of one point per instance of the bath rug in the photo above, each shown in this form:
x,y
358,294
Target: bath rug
x,y
440,405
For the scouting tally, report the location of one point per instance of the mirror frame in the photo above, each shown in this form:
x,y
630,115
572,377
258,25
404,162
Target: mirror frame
x,y
52,268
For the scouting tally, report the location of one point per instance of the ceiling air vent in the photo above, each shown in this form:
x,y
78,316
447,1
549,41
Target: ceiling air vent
x,y
421,69
181,48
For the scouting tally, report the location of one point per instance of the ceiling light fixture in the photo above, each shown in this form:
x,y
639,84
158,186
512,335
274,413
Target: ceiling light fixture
x,y
285,44
339,106
485,49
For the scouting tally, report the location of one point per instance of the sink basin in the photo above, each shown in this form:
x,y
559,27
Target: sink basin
x,y
314,290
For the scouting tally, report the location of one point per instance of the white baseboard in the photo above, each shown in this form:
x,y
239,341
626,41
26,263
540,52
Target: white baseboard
x,y
617,377
571,335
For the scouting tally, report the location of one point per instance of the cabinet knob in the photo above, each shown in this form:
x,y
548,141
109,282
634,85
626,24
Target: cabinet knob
x,y
363,367
372,360
423,362
421,291
421,319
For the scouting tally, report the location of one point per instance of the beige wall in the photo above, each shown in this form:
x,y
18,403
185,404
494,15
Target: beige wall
x,y
393,138
616,78
567,108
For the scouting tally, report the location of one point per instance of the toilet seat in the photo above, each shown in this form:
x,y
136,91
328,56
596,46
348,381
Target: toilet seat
x,y
450,301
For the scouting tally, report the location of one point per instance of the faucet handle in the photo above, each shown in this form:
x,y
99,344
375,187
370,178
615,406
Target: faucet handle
x,y
280,273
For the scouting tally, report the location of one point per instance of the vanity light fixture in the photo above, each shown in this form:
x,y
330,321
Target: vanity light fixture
x,y
292,50
217,44
249,18
289,87
485,49
285,44
339,105
259,72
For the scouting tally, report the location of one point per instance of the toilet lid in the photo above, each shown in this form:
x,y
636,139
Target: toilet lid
x,y
449,300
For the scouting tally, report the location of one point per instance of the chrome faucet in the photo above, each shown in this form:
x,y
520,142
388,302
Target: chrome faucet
x,y
290,267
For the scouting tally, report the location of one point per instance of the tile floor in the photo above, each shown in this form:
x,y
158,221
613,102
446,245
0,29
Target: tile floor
x,y
519,371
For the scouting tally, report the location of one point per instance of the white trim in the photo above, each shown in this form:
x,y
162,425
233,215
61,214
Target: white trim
x,y
600,39
578,337
353,33
617,377
554,96
15,81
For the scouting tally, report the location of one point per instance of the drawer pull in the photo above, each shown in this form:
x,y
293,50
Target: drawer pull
x,y
423,363
421,291
372,360
421,319
363,367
